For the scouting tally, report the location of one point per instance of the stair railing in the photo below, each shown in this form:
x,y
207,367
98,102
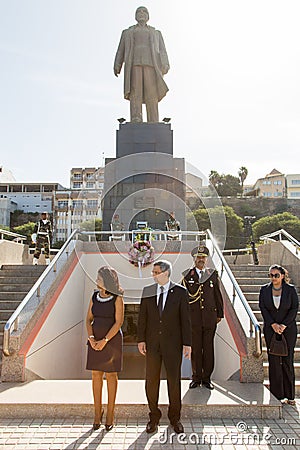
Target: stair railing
x,y
27,307
15,236
239,302
282,233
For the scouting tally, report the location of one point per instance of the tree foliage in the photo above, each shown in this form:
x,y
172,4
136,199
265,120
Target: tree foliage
x,y
269,224
25,230
213,218
243,173
225,185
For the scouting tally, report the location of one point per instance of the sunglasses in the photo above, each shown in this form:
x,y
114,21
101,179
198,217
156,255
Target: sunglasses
x,y
274,275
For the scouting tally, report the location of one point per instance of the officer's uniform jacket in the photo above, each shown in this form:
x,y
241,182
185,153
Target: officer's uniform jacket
x,y
43,230
205,298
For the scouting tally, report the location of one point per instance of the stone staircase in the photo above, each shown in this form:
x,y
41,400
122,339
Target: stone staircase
x,y
15,283
250,278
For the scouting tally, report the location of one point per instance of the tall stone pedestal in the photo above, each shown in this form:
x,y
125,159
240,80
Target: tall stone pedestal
x,y
144,182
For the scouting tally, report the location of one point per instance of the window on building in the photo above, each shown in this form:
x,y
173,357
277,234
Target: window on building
x,y
277,194
278,182
90,184
266,182
92,203
294,182
295,194
77,176
62,203
77,185
267,194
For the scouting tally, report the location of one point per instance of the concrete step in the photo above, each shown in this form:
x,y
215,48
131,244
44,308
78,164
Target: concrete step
x,y
12,296
9,304
73,398
5,314
11,288
296,368
253,280
17,279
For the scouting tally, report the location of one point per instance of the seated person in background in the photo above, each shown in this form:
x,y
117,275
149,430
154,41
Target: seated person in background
x,y
172,225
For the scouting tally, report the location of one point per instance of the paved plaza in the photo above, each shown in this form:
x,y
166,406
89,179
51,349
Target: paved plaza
x,y
215,434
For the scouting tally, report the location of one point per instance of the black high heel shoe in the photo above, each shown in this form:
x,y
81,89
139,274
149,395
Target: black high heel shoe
x,y
96,426
109,427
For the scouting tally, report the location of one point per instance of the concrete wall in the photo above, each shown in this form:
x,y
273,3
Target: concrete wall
x,y
59,347
13,253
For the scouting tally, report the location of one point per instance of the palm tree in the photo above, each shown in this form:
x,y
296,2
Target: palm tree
x,y
243,173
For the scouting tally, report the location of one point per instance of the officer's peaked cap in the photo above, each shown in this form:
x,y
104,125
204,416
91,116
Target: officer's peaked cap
x,y
200,251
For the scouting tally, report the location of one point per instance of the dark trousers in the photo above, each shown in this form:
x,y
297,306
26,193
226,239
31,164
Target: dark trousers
x,y
203,353
173,369
282,376
281,368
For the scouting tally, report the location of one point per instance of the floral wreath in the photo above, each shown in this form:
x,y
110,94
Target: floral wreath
x,y
141,253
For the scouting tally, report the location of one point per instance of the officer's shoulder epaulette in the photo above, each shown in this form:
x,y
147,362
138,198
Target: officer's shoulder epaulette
x,y
186,271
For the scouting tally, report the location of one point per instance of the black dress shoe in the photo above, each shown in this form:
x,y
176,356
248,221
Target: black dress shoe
x,y
208,385
151,427
109,427
178,427
194,384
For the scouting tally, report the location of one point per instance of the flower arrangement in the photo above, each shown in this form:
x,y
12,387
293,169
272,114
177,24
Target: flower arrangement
x,y
141,253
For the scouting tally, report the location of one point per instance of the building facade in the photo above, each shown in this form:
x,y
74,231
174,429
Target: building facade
x,y
80,203
273,185
293,186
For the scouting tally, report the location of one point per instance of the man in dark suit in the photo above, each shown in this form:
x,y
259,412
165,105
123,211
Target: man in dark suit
x,y
206,308
164,334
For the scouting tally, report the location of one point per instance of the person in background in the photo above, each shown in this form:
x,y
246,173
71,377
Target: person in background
x,y
172,224
278,302
206,308
104,319
164,334
42,237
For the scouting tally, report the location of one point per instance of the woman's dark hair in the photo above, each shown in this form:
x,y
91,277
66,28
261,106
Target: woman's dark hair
x,y
282,270
110,280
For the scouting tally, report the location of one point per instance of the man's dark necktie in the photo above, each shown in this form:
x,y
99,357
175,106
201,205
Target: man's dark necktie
x,y
160,301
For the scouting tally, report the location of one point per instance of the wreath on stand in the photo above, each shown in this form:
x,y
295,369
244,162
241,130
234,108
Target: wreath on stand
x,y
141,253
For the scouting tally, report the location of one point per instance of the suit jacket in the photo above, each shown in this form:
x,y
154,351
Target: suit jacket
x,y
173,330
285,314
159,57
205,298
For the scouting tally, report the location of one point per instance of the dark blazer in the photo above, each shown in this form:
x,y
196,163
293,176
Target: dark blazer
x,y
173,329
206,302
285,314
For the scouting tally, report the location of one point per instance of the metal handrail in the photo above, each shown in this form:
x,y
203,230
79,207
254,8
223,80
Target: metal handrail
x,y
281,233
13,320
253,321
11,234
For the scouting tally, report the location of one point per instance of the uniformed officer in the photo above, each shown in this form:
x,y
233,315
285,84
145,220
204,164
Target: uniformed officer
x,y
172,224
206,308
41,237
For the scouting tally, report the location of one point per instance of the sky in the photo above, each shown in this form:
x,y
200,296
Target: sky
x,y
234,84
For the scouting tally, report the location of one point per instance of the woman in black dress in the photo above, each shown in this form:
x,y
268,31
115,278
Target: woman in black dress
x,y
105,343
278,302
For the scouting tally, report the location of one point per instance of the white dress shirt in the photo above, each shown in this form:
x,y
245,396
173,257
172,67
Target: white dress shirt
x,y
158,291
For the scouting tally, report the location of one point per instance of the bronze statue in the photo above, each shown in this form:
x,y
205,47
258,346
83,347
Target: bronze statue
x,y
143,52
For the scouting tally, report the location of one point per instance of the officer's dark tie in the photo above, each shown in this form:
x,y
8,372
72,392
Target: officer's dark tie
x,y
161,301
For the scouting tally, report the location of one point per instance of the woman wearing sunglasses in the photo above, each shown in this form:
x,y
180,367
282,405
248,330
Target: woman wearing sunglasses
x,y
278,302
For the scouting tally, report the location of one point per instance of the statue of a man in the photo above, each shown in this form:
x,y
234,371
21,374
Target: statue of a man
x,y
143,51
